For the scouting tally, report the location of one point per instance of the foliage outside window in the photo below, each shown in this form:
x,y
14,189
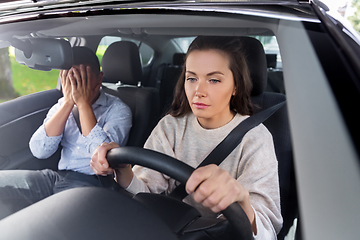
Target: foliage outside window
x,y
24,80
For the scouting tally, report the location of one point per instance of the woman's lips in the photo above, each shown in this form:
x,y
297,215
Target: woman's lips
x,y
200,105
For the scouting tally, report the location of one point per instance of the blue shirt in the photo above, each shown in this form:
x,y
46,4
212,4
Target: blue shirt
x,y
113,125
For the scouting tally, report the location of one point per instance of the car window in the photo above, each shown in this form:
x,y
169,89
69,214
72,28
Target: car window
x,y
146,52
21,80
183,42
270,44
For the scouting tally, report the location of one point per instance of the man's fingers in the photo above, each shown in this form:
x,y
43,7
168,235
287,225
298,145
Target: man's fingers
x,y
63,77
76,77
63,74
71,78
83,75
88,74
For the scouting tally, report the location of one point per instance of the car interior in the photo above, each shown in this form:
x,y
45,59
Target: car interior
x,y
148,88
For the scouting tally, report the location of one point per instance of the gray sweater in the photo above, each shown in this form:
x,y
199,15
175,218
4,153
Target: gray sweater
x,y
253,163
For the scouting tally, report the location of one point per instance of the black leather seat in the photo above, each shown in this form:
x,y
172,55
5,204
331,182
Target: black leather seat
x,y
275,78
168,75
278,125
122,69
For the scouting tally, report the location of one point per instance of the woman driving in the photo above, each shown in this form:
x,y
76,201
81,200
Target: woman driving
x,y
212,97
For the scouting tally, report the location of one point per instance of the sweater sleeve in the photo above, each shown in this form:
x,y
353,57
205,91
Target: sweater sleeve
x,y
148,180
258,171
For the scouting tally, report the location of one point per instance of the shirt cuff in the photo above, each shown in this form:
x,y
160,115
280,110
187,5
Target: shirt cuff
x,y
43,146
136,186
261,231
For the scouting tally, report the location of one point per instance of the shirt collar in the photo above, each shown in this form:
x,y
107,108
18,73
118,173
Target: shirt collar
x,y
101,100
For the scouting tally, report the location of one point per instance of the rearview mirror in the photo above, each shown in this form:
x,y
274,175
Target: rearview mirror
x,y
43,53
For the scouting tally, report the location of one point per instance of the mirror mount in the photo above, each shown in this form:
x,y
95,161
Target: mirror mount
x,y
24,46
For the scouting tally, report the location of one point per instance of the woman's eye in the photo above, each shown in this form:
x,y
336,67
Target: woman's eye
x,y
190,79
214,81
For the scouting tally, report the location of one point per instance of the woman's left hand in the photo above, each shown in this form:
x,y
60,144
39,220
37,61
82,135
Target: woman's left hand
x,y
214,188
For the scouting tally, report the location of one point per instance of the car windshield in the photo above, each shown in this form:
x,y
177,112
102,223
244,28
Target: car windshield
x,y
295,54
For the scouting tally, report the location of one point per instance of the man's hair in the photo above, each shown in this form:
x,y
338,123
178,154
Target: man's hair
x,y
84,55
232,47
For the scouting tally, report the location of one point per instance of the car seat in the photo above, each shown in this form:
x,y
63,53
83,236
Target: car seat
x,y
168,75
122,70
278,125
275,78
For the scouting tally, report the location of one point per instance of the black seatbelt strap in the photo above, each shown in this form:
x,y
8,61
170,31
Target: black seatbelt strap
x,y
230,142
75,112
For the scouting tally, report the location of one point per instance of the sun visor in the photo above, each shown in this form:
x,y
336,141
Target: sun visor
x,y
43,53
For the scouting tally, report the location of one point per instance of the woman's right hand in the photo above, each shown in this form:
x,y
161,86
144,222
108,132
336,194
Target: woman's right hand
x,y
99,164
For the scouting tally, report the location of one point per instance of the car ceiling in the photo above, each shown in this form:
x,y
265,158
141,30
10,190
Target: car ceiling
x,y
129,19
139,25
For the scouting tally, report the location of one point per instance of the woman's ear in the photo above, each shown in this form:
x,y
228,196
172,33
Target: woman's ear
x,y
234,91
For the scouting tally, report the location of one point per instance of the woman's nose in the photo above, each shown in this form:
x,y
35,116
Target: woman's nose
x,y
200,90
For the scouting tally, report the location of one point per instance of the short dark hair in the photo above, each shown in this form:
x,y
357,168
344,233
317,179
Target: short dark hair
x,y
232,47
84,55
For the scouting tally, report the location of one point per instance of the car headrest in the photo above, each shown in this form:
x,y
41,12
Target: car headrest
x,y
179,59
121,62
271,60
256,60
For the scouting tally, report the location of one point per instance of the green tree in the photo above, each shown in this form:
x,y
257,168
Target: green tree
x,y
355,18
6,87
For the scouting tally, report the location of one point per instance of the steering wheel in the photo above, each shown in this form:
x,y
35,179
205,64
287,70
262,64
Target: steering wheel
x,y
180,172
97,213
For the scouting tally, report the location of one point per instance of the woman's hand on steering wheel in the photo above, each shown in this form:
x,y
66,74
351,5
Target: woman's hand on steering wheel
x,y
98,162
100,165
215,189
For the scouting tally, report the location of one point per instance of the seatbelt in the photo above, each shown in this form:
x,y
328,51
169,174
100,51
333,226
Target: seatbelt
x,y
75,112
106,182
230,142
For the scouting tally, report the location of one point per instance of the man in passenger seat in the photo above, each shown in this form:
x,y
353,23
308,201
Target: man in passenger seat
x,y
101,118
